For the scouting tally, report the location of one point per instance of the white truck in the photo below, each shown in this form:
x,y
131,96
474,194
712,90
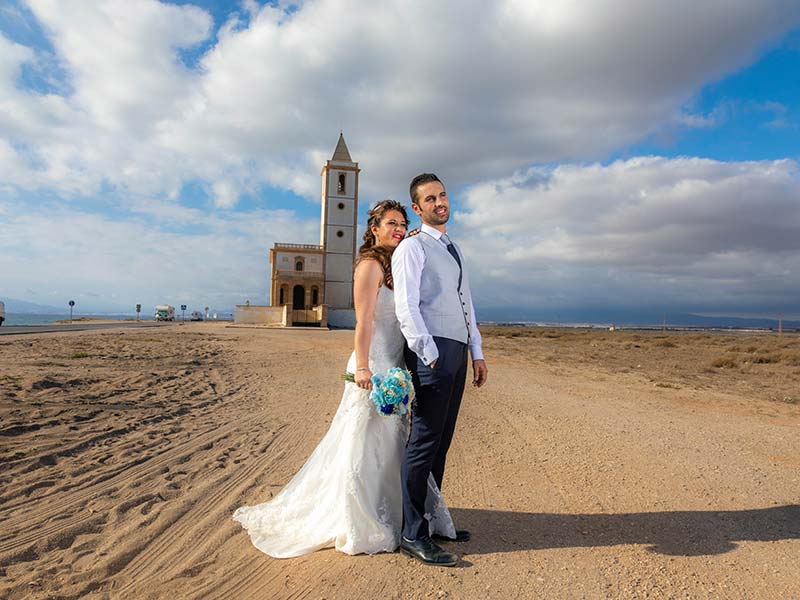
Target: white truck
x,y
2,312
165,312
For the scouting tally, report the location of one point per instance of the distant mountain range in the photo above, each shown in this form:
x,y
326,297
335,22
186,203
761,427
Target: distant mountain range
x,y
23,307
28,308
626,317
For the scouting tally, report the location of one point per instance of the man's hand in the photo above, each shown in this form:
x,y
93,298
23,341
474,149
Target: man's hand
x,y
433,363
479,372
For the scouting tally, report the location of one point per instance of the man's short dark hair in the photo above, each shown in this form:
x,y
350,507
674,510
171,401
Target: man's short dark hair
x,y
419,180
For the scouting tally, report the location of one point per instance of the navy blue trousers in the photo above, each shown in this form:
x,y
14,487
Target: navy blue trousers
x,y
433,422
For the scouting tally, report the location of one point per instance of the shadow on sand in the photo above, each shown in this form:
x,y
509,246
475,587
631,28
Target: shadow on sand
x,y
676,533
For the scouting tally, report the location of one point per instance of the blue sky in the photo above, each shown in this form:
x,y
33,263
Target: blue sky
x,y
755,112
620,155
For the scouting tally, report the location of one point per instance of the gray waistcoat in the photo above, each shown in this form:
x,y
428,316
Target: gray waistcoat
x,y
444,309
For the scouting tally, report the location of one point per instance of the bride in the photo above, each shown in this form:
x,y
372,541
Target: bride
x,y
348,495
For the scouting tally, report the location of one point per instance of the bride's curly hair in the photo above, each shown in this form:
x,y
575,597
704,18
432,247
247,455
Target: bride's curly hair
x,y
370,249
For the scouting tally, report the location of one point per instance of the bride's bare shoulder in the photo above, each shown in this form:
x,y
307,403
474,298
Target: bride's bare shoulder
x,y
369,269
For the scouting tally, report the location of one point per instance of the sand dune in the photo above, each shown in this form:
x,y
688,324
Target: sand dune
x,y
593,465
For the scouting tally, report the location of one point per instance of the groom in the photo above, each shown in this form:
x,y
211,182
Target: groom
x,y
434,307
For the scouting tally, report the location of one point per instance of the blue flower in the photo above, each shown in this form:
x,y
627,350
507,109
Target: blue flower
x,y
391,394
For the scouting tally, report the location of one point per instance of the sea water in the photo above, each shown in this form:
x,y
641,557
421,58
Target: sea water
x,y
41,319
38,319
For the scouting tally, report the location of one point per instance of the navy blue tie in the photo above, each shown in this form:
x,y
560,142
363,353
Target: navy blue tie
x,y
452,250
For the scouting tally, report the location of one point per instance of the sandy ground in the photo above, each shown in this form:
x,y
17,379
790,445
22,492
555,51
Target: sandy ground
x,y
593,465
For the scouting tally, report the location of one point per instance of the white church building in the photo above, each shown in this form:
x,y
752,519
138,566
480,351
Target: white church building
x,y
312,284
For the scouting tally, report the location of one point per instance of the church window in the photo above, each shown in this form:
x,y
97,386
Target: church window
x,y
341,188
340,233
299,266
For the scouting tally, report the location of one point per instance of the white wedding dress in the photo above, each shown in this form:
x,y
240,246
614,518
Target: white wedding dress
x,y
347,495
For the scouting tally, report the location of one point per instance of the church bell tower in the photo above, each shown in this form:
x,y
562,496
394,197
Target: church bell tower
x,y
338,233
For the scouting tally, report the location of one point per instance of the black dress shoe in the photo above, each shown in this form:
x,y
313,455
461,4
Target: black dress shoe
x,y
462,535
426,551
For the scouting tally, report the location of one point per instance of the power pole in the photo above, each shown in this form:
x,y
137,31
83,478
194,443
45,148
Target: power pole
x,y
780,324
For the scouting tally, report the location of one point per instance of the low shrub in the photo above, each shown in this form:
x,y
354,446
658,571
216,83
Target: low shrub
x,y
725,362
666,344
791,358
765,359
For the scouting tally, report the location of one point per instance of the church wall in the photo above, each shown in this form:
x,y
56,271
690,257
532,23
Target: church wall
x,y
338,294
312,261
339,268
341,318
343,243
260,315
340,216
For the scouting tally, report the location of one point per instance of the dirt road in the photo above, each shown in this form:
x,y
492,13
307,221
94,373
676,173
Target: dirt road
x,y
589,467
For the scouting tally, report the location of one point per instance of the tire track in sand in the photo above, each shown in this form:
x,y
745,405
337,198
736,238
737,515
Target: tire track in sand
x,y
19,533
171,551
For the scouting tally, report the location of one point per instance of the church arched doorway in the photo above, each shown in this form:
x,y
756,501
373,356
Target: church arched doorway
x,y
298,297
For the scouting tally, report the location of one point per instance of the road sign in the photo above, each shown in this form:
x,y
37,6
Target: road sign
x,y
138,310
71,304
183,307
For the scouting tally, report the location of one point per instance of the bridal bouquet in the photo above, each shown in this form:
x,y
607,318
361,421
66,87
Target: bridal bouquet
x,y
391,393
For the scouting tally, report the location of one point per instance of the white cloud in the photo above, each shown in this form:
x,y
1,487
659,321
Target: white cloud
x,y
472,90
153,255
649,230
226,193
124,78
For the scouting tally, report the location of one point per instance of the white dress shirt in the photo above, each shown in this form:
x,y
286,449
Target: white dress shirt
x,y
407,264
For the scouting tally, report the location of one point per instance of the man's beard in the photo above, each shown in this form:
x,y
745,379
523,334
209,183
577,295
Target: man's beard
x,y
437,220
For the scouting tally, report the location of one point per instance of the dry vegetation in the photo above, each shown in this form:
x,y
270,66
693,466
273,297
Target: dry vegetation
x,y
763,366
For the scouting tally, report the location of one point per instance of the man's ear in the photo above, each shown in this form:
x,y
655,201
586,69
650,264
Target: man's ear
x,y
415,207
